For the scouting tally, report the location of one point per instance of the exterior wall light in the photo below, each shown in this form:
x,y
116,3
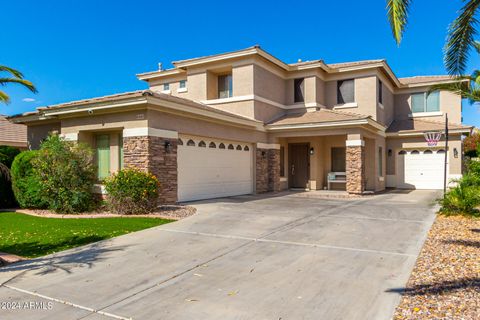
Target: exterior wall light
x,y
455,152
389,152
168,147
311,151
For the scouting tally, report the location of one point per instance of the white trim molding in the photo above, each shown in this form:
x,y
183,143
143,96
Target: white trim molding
x,y
179,90
147,131
355,143
425,114
346,105
268,145
166,91
70,136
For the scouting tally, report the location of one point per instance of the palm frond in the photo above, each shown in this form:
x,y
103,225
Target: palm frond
x,y
476,45
4,171
4,97
12,71
397,12
27,84
460,38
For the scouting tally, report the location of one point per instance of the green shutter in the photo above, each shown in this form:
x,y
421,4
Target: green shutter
x,y
120,156
103,155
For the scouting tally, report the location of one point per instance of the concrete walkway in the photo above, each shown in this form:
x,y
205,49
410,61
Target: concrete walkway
x,y
287,256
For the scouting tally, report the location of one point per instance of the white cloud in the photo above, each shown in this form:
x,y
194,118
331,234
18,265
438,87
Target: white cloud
x,y
28,100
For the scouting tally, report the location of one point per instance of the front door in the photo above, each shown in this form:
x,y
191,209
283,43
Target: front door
x,y
298,165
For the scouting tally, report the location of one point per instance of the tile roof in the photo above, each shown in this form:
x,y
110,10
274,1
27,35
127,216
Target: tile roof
x,y
9,132
354,63
424,79
320,116
420,125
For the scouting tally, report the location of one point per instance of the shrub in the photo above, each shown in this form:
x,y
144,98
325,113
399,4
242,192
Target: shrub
x,y
131,191
67,174
462,199
25,183
7,154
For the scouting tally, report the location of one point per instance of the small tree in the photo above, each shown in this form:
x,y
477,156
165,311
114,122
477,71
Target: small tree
x,y
66,173
26,184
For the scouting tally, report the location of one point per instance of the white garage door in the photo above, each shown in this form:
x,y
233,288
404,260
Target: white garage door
x,y
213,168
420,169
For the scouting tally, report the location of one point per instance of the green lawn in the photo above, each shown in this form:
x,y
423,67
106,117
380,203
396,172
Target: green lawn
x,y
30,236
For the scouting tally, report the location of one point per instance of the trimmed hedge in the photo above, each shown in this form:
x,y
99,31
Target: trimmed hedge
x,y
131,191
26,184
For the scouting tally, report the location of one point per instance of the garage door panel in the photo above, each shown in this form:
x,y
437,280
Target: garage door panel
x,y
205,173
420,171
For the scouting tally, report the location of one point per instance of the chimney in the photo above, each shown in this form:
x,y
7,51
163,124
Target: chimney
x,y
160,67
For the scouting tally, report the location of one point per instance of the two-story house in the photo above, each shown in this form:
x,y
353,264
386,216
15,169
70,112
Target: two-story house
x,y
244,122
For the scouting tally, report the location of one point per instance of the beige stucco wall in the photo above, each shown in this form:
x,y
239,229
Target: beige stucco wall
x,y
105,122
37,132
449,102
397,144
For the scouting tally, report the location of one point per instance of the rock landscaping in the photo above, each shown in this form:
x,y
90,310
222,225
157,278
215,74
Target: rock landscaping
x,y
445,283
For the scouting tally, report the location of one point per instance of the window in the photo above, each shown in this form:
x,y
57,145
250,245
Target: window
x,y
231,147
441,151
403,152
221,146
345,91
202,144
380,91
415,152
282,161
102,143
212,145
339,158
380,161
182,84
166,86
427,152
299,88
423,103
225,89
180,142
191,143
239,147
246,148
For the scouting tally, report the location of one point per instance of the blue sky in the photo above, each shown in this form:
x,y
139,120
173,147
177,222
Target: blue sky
x,y
79,49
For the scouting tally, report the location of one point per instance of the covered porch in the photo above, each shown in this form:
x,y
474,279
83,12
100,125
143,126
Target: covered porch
x,y
332,156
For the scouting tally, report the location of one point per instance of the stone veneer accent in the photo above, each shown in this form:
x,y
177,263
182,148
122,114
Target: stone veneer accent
x,y
148,153
355,169
267,166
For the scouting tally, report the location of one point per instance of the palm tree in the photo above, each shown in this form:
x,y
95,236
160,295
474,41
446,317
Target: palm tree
x,y
460,37
13,76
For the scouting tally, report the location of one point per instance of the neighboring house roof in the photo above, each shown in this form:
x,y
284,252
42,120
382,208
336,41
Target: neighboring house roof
x,y
413,125
12,134
355,63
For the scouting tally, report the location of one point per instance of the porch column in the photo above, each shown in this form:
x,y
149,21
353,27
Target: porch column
x,y
267,167
355,164
155,151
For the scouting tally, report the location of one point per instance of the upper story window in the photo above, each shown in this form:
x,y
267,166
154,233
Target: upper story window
x,y
182,84
421,102
166,86
345,91
380,92
299,90
225,86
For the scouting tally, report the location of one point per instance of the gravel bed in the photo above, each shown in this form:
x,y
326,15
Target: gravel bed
x,y
174,212
445,283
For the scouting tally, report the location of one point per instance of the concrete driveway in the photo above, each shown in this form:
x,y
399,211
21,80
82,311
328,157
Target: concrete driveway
x,y
290,256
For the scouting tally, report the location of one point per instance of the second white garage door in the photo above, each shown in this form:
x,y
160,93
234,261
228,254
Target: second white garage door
x,y
420,169
213,168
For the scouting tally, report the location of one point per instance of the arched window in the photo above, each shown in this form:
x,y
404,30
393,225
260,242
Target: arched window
x,y
231,147
246,148
221,146
402,152
202,144
239,147
180,142
441,151
427,152
191,143
415,152
212,145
